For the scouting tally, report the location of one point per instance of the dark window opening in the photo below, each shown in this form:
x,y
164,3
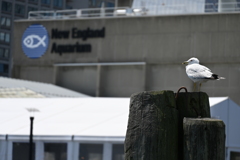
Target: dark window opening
x,y
55,151
117,152
6,6
19,10
234,155
32,9
91,152
4,37
21,150
58,3
46,2
6,22
4,53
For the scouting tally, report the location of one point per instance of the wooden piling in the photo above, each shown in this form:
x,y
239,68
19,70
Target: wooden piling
x,y
152,132
157,129
191,104
204,139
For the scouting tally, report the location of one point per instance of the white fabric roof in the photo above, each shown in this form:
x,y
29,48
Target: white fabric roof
x,y
229,112
215,100
65,116
104,117
19,93
46,89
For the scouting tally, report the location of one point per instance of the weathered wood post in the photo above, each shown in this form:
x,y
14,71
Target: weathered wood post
x,y
204,139
156,130
194,104
152,132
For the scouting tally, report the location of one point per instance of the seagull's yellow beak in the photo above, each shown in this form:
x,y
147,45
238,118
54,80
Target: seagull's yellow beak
x,y
186,62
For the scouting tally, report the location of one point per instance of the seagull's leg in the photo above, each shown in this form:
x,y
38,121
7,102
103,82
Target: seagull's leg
x,y
200,84
194,86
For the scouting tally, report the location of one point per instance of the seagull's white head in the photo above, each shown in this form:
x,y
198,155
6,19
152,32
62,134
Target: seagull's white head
x,y
192,60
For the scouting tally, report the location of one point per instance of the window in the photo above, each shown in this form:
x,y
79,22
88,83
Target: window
x,y
55,151
46,2
238,5
4,37
117,152
34,1
7,37
5,22
32,9
4,53
98,3
91,152
19,10
234,155
6,6
211,6
58,3
109,4
20,150
95,3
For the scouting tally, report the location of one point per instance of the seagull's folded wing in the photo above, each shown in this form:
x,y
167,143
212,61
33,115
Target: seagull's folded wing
x,y
198,71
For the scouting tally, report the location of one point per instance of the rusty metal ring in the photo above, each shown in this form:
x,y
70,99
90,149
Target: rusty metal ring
x,y
180,90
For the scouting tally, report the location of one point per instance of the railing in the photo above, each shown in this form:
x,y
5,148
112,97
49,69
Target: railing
x,y
83,13
198,8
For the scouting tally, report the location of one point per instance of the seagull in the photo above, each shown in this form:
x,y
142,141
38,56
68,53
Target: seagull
x,y
199,73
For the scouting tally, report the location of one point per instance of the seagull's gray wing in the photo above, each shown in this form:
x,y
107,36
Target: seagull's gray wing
x,y
197,71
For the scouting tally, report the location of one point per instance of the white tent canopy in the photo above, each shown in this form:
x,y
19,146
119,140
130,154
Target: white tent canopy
x,y
65,116
103,117
90,120
228,111
10,87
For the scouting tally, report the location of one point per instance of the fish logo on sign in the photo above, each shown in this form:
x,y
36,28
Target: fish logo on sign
x,y
35,41
28,41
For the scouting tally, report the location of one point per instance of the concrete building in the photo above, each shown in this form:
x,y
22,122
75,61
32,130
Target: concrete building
x,y
117,56
18,9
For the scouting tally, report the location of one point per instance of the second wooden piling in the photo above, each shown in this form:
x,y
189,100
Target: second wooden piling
x,y
204,139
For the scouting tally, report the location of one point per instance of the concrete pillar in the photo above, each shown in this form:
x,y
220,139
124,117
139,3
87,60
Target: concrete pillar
x,y
98,81
72,150
9,150
107,151
39,150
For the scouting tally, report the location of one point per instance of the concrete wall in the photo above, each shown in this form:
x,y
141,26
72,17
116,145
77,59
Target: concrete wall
x,y
163,42
81,79
121,80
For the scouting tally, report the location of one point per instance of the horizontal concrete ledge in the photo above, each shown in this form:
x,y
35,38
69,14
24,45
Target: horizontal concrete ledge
x,y
99,64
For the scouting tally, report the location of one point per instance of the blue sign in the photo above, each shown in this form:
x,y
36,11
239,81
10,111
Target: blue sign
x,y
35,41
